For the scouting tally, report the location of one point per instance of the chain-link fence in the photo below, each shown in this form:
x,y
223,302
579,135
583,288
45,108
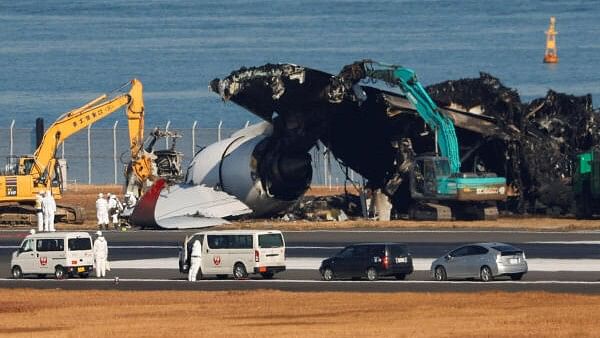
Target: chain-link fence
x,y
98,155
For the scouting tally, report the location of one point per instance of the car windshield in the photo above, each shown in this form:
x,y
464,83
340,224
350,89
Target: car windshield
x,y
507,250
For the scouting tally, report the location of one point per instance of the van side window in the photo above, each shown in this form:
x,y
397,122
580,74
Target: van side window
x,y
229,241
55,244
270,241
77,244
27,245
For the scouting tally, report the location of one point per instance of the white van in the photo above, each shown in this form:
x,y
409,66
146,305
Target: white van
x,y
58,253
236,252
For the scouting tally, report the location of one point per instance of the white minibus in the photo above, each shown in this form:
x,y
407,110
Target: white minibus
x,y
236,252
57,253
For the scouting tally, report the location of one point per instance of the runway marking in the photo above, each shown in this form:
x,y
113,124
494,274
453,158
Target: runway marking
x,y
115,247
466,231
315,247
420,264
566,242
311,281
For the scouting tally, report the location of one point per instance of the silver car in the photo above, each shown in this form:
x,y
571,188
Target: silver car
x,y
482,260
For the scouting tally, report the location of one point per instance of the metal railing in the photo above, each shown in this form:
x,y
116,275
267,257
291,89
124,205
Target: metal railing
x,y
99,155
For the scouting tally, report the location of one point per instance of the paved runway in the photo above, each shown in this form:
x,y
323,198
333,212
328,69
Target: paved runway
x,y
146,260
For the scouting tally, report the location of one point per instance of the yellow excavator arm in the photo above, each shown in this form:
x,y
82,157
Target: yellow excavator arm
x,y
70,123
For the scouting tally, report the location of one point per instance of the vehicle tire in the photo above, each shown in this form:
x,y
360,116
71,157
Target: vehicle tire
x,y
17,273
84,275
267,275
239,271
372,274
516,276
440,274
221,276
327,274
400,276
59,272
485,274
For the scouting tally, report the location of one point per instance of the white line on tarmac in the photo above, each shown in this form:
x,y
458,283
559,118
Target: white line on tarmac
x,y
566,242
115,247
466,231
109,280
420,264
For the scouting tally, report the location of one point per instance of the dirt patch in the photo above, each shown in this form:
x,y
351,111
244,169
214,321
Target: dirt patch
x,y
311,314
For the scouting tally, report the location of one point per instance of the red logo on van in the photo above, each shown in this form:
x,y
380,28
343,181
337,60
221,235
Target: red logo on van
x,y
217,260
44,260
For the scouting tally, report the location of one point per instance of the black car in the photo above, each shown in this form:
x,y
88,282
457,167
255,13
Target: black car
x,y
371,260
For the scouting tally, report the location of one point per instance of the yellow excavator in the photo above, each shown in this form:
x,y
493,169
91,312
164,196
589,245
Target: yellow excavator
x,y
27,175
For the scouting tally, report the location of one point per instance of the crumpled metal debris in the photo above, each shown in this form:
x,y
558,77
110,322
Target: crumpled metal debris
x,y
537,157
531,144
324,208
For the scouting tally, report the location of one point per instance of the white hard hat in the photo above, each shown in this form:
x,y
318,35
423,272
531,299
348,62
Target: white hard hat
x,y
99,233
100,195
32,231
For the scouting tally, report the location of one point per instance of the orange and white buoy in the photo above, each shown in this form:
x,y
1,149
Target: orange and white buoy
x,y
550,56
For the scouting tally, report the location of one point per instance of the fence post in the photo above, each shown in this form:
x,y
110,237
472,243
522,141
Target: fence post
x,y
219,131
12,125
89,149
194,138
166,131
325,173
115,148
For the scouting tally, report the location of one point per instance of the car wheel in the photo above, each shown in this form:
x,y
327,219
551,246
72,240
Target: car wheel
x,y
267,275
221,276
485,274
327,274
400,276
440,273
17,273
59,272
372,274
516,276
239,271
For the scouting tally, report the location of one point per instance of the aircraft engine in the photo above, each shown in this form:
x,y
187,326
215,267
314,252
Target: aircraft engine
x,y
252,167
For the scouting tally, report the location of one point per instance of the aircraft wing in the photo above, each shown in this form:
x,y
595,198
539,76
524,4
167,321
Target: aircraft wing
x,y
185,206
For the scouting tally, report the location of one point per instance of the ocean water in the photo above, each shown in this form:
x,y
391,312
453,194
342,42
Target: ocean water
x,y
56,55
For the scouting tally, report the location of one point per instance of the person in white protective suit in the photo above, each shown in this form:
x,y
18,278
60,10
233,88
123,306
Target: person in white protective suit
x,y
100,255
114,209
195,261
50,210
130,200
39,197
102,211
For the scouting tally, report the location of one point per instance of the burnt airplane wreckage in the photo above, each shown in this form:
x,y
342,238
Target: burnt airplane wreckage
x,y
265,169
376,132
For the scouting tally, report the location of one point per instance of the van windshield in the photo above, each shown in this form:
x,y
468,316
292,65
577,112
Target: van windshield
x,y
270,241
77,244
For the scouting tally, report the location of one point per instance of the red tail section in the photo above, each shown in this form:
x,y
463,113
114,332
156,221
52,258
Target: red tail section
x,y
143,214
